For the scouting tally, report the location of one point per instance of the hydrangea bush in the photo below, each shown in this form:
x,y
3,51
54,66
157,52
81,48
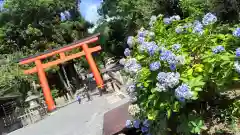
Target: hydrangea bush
x,y
181,68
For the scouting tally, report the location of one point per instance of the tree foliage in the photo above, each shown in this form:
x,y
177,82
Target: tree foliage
x,y
128,16
32,26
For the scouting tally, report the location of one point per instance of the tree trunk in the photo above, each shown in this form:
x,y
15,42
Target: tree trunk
x,y
64,83
67,80
73,75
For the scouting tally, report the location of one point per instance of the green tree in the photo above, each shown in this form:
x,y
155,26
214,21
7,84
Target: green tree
x,y
32,26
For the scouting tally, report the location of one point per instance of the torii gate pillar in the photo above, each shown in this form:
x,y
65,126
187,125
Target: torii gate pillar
x,y
45,87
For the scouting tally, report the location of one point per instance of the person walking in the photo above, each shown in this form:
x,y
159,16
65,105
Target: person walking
x,y
79,99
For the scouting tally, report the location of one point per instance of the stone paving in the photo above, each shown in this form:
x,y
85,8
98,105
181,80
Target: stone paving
x,y
75,119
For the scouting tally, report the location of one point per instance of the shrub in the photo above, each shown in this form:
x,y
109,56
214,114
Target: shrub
x,y
182,68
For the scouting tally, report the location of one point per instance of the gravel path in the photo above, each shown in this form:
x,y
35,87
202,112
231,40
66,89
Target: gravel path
x,y
75,119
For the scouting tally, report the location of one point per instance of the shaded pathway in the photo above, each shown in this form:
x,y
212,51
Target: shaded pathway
x,y
74,119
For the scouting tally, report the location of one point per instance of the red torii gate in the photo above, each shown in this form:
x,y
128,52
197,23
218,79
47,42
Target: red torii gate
x,y
39,68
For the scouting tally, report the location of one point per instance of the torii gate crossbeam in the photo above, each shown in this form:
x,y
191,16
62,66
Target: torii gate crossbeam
x,y
40,67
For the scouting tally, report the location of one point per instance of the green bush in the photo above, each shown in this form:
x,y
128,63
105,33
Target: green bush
x,y
181,69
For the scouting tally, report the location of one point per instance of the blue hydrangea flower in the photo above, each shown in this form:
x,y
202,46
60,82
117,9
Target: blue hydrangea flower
x,y
160,15
67,14
236,32
136,123
183,92
127,52
152,48
198,27
151,34
160,88
162,50
209,18
63,17
173,67
131,66
141,40
238,52
146,123
176,47
143,46
122,61
144,129
142,33
155,66
188,25
168,79
237,66
180,60
130,41
218,49
167,20
128,123
153,19
175,18
165,54
131,88
179,29
169,57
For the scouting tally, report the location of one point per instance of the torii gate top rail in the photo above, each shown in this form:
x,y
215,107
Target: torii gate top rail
x,y
39,68
60,50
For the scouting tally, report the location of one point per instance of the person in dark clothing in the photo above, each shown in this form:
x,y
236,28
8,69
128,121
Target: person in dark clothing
x,y
79,99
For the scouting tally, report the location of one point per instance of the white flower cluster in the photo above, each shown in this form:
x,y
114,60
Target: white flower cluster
x,y
133,110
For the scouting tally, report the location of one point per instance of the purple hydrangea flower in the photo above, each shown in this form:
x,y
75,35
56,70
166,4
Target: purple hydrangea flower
x,y
183,92
238,52
136,123
127,52
128,124
130,41
155,66
218,49
237,66
63,17
144,129
198,27
209,18
236,32
176,47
